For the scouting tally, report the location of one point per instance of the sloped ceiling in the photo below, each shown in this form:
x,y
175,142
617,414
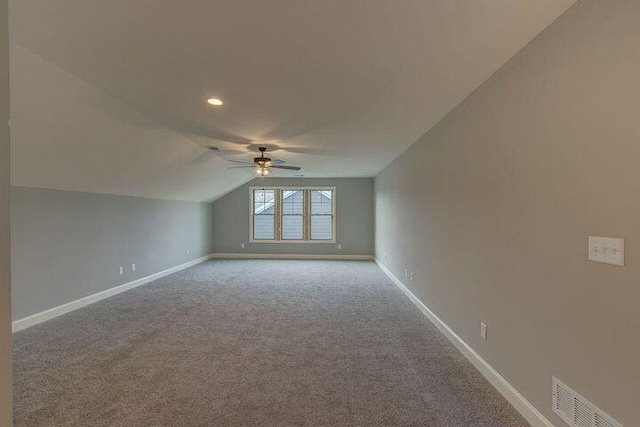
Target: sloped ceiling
x,y
109,96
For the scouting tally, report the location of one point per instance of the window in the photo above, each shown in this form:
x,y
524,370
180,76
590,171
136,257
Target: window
x,y
321,214
292,202
264,205
293,214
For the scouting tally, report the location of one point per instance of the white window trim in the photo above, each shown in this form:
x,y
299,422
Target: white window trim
x,y
293,187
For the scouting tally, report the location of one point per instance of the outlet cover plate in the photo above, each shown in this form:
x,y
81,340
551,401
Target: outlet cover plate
x,y
483,330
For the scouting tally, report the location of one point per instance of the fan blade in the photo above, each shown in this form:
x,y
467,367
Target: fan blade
x,y
277,161
239,167
293,168
241,161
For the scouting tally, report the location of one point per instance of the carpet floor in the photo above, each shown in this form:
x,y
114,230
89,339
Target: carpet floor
x,y
251,343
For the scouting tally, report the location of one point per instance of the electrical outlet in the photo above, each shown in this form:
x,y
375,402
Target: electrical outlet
x,y
188,251
121,270
133,267
483,330
242,245
339,246
411,276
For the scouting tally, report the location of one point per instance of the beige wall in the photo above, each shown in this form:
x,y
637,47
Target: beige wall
x,y
492,208
5,286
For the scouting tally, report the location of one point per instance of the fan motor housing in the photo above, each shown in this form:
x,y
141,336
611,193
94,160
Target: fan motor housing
x,y
261,160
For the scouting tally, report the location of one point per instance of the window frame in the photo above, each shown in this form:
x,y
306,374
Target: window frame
x,y
306,216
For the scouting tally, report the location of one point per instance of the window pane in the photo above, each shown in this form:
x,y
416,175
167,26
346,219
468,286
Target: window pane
x,y
321,202
321,227
321,214
263,227
292,227
292,202
292,214
264,201
263,214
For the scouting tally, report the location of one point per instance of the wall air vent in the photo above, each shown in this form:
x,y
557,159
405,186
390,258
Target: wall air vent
x,y
577,411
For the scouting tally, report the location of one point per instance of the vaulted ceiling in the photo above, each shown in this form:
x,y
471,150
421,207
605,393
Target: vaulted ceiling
x,y
109,96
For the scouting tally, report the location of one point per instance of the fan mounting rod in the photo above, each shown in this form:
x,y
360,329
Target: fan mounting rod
x,y
262,161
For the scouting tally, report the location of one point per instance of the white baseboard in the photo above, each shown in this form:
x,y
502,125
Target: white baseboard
x,y
519,402
26,322
292,256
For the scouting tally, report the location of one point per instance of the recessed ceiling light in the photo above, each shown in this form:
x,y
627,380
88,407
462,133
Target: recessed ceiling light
x,y
215,101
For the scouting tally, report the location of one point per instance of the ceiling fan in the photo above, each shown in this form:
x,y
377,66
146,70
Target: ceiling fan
x,y
263,164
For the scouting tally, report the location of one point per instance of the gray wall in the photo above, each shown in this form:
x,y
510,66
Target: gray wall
x,y
492,208
5,279
354,219
67,245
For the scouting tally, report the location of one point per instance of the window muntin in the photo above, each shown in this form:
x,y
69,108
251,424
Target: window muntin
x,y
293,214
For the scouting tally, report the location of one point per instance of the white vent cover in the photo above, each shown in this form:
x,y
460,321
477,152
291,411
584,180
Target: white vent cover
x,y
577,411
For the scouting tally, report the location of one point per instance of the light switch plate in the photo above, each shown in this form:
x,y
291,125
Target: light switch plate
x,y
607,250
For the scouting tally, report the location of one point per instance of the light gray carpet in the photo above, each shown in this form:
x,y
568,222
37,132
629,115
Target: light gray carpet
x,y
251,343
